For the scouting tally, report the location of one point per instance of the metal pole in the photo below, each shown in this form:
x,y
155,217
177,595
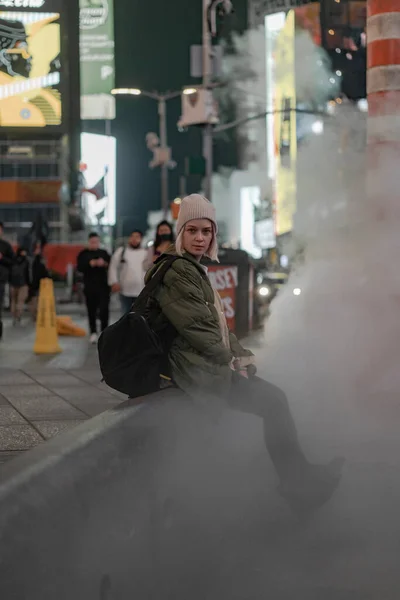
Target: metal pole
x,y
162,113
207,78
383,88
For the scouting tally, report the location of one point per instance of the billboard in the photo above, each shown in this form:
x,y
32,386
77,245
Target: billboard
x,y
281,102
30,67
99,173
97,58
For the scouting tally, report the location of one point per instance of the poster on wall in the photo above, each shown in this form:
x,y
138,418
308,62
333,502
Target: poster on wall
x,y
225,280
97,58
30,69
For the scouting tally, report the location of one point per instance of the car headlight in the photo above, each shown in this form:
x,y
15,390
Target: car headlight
x,y
264,291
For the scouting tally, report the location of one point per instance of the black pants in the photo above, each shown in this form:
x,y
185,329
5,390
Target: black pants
x,y
2,296
98,305
258,397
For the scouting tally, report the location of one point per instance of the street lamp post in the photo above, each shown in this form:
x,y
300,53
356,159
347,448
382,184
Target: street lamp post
x,y
162,115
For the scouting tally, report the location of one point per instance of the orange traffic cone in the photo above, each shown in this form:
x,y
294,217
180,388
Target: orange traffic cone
x,y
66,327
46,327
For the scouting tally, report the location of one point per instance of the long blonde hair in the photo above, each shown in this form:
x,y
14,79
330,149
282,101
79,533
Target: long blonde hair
x,y
212,252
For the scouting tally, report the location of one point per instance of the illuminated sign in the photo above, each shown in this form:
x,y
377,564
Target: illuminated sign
x,y
30,68
99,173
282,136
22,3
97,59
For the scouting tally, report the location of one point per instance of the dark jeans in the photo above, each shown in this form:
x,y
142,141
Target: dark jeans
x,y
258,397
126,303
2,295
98,305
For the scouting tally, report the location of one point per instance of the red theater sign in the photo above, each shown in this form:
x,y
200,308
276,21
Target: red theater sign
x,y
225,280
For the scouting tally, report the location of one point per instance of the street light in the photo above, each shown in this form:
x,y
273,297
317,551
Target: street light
x,y
162,113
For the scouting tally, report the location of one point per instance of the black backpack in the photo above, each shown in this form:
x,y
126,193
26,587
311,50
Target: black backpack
x,y
132,354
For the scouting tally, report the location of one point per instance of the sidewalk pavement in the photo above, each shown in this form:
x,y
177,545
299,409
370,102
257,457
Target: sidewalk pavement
x,y
41,396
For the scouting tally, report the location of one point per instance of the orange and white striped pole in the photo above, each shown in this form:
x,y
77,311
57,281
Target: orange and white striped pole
x,y
383,87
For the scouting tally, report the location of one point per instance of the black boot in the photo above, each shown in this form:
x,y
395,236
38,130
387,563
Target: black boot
x,y
1,329
311,487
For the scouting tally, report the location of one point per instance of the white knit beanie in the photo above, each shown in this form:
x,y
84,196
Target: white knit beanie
x,y
195,207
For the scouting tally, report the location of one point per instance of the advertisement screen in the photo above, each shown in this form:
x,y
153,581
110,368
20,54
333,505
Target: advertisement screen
x,y
99,174
30,68
97,58
281,124
287,97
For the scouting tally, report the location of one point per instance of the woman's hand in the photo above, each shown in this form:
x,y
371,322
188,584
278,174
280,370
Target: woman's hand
x,y
245,365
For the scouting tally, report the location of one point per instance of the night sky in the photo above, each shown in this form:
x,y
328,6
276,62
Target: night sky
x,y
152,52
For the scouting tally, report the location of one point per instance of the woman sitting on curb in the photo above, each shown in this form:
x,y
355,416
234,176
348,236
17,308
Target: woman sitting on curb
x,y
206,359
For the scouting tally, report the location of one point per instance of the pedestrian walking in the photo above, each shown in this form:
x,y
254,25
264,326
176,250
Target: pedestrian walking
x,y
126,273
163,240
19,281
93,263
6,262
37,272
207,361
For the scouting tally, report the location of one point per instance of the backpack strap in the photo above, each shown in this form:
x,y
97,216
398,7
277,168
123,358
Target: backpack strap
x,y
156,279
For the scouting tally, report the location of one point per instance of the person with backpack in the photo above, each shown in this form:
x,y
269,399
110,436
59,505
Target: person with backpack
x,y
93,263
19,281
126,273
184,338
6,262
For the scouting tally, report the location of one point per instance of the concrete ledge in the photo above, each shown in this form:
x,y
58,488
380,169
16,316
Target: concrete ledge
x,y
135,503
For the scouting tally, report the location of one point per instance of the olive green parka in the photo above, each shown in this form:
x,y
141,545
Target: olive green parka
x,y
198,358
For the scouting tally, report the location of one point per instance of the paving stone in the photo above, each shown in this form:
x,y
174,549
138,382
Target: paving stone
x,y
14,378
81,393
105,387
24,391
57,380
9,416
43,370
88,375
19,437
95,407
46,408
50,429
4,401
5,457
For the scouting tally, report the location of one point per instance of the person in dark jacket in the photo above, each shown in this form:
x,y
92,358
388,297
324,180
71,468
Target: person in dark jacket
x,y
164,238
37,272
207,360
19,280
93,263
6,262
